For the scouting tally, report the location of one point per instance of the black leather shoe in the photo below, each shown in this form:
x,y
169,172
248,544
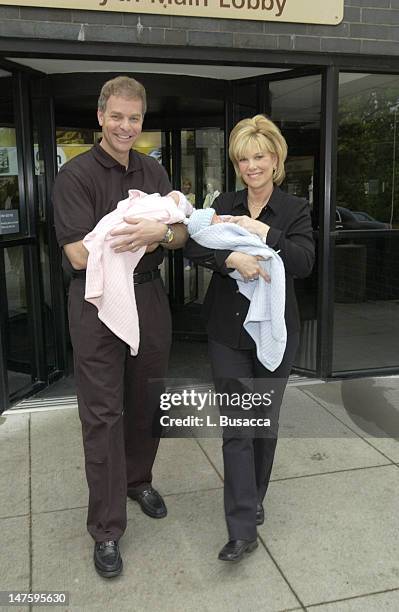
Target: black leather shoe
x,y
260,514
150,501
234,549
107,559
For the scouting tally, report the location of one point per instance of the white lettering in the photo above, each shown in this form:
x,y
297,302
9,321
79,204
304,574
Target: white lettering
x,y
164,402
188,421
175,399
226,421
209,422
202,399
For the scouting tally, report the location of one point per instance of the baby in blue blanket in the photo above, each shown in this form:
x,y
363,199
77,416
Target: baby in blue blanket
x,y
203,217
265,320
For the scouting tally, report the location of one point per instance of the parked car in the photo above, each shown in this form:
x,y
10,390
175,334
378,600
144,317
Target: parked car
x,y
363,216
346,219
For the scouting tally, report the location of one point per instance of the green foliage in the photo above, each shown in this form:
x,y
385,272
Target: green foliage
x,y
368,122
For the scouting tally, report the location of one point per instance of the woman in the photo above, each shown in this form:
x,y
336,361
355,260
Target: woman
x,y
258,151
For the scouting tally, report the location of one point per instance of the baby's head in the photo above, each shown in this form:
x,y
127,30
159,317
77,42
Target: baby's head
x,y
201,218
216,219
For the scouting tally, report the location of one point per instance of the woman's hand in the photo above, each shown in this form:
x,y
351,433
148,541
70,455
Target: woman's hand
x,y
252,225
247,265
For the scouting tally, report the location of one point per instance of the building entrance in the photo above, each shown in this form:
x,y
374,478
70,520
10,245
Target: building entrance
x,y
186,129
188,135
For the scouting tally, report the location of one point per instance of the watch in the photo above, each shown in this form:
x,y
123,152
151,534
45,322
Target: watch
x,y
169,235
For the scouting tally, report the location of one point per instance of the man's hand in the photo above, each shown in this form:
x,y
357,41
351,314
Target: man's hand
x,y
247,265
137,233
151,247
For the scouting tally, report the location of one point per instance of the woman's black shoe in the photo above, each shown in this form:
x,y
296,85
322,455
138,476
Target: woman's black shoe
x,y
260,514
235,549
107,559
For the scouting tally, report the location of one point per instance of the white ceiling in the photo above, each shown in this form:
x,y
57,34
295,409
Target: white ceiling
x,y
57,66
3,73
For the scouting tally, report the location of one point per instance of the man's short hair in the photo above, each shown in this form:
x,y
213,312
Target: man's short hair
x,y
122,86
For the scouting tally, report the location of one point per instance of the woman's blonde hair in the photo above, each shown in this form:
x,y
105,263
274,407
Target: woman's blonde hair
x,y
258,133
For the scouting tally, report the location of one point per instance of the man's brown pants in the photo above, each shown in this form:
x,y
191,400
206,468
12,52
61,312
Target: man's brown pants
x,y
118,403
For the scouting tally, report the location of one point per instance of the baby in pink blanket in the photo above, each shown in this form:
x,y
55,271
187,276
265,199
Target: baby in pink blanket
x,y
109,275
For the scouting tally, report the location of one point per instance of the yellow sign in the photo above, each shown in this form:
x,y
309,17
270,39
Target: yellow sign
x,y
329,12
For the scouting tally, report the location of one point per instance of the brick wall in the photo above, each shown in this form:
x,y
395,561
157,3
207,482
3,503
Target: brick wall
x,y
365,29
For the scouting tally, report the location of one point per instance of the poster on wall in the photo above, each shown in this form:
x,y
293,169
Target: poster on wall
x,y
64,154
8,161
9,222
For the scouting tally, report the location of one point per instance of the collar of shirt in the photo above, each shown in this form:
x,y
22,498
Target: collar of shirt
x,y
108,161
276,201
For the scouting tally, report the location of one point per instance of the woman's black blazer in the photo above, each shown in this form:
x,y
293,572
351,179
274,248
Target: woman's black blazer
x,y
225,308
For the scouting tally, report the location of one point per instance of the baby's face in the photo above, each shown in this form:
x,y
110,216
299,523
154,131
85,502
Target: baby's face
x,y
220,219
216,219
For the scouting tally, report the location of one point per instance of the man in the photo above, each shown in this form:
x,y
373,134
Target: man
x,y
118,404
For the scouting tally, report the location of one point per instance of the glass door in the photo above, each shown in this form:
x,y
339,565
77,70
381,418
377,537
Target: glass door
x,y
17,342
294,104
22,346
200,174
366,261
293,100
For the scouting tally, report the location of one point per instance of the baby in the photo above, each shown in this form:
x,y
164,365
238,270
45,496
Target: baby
x,y
265,321
204,217
110,275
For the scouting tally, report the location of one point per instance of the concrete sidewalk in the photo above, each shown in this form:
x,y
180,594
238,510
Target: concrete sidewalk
x,y
329,542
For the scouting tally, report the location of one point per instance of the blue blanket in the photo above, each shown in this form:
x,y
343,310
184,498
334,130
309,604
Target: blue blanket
x,y
265,320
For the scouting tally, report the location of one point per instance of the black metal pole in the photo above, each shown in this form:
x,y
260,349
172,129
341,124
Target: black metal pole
x,y
34,293
4,390
328,174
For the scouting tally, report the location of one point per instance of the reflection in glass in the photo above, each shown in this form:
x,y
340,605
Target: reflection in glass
x,y
150,143
366,283
43,230
368,170
71,143
188,175
210,149
366,310
295,107
202,151
188,188
18,343
9,191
